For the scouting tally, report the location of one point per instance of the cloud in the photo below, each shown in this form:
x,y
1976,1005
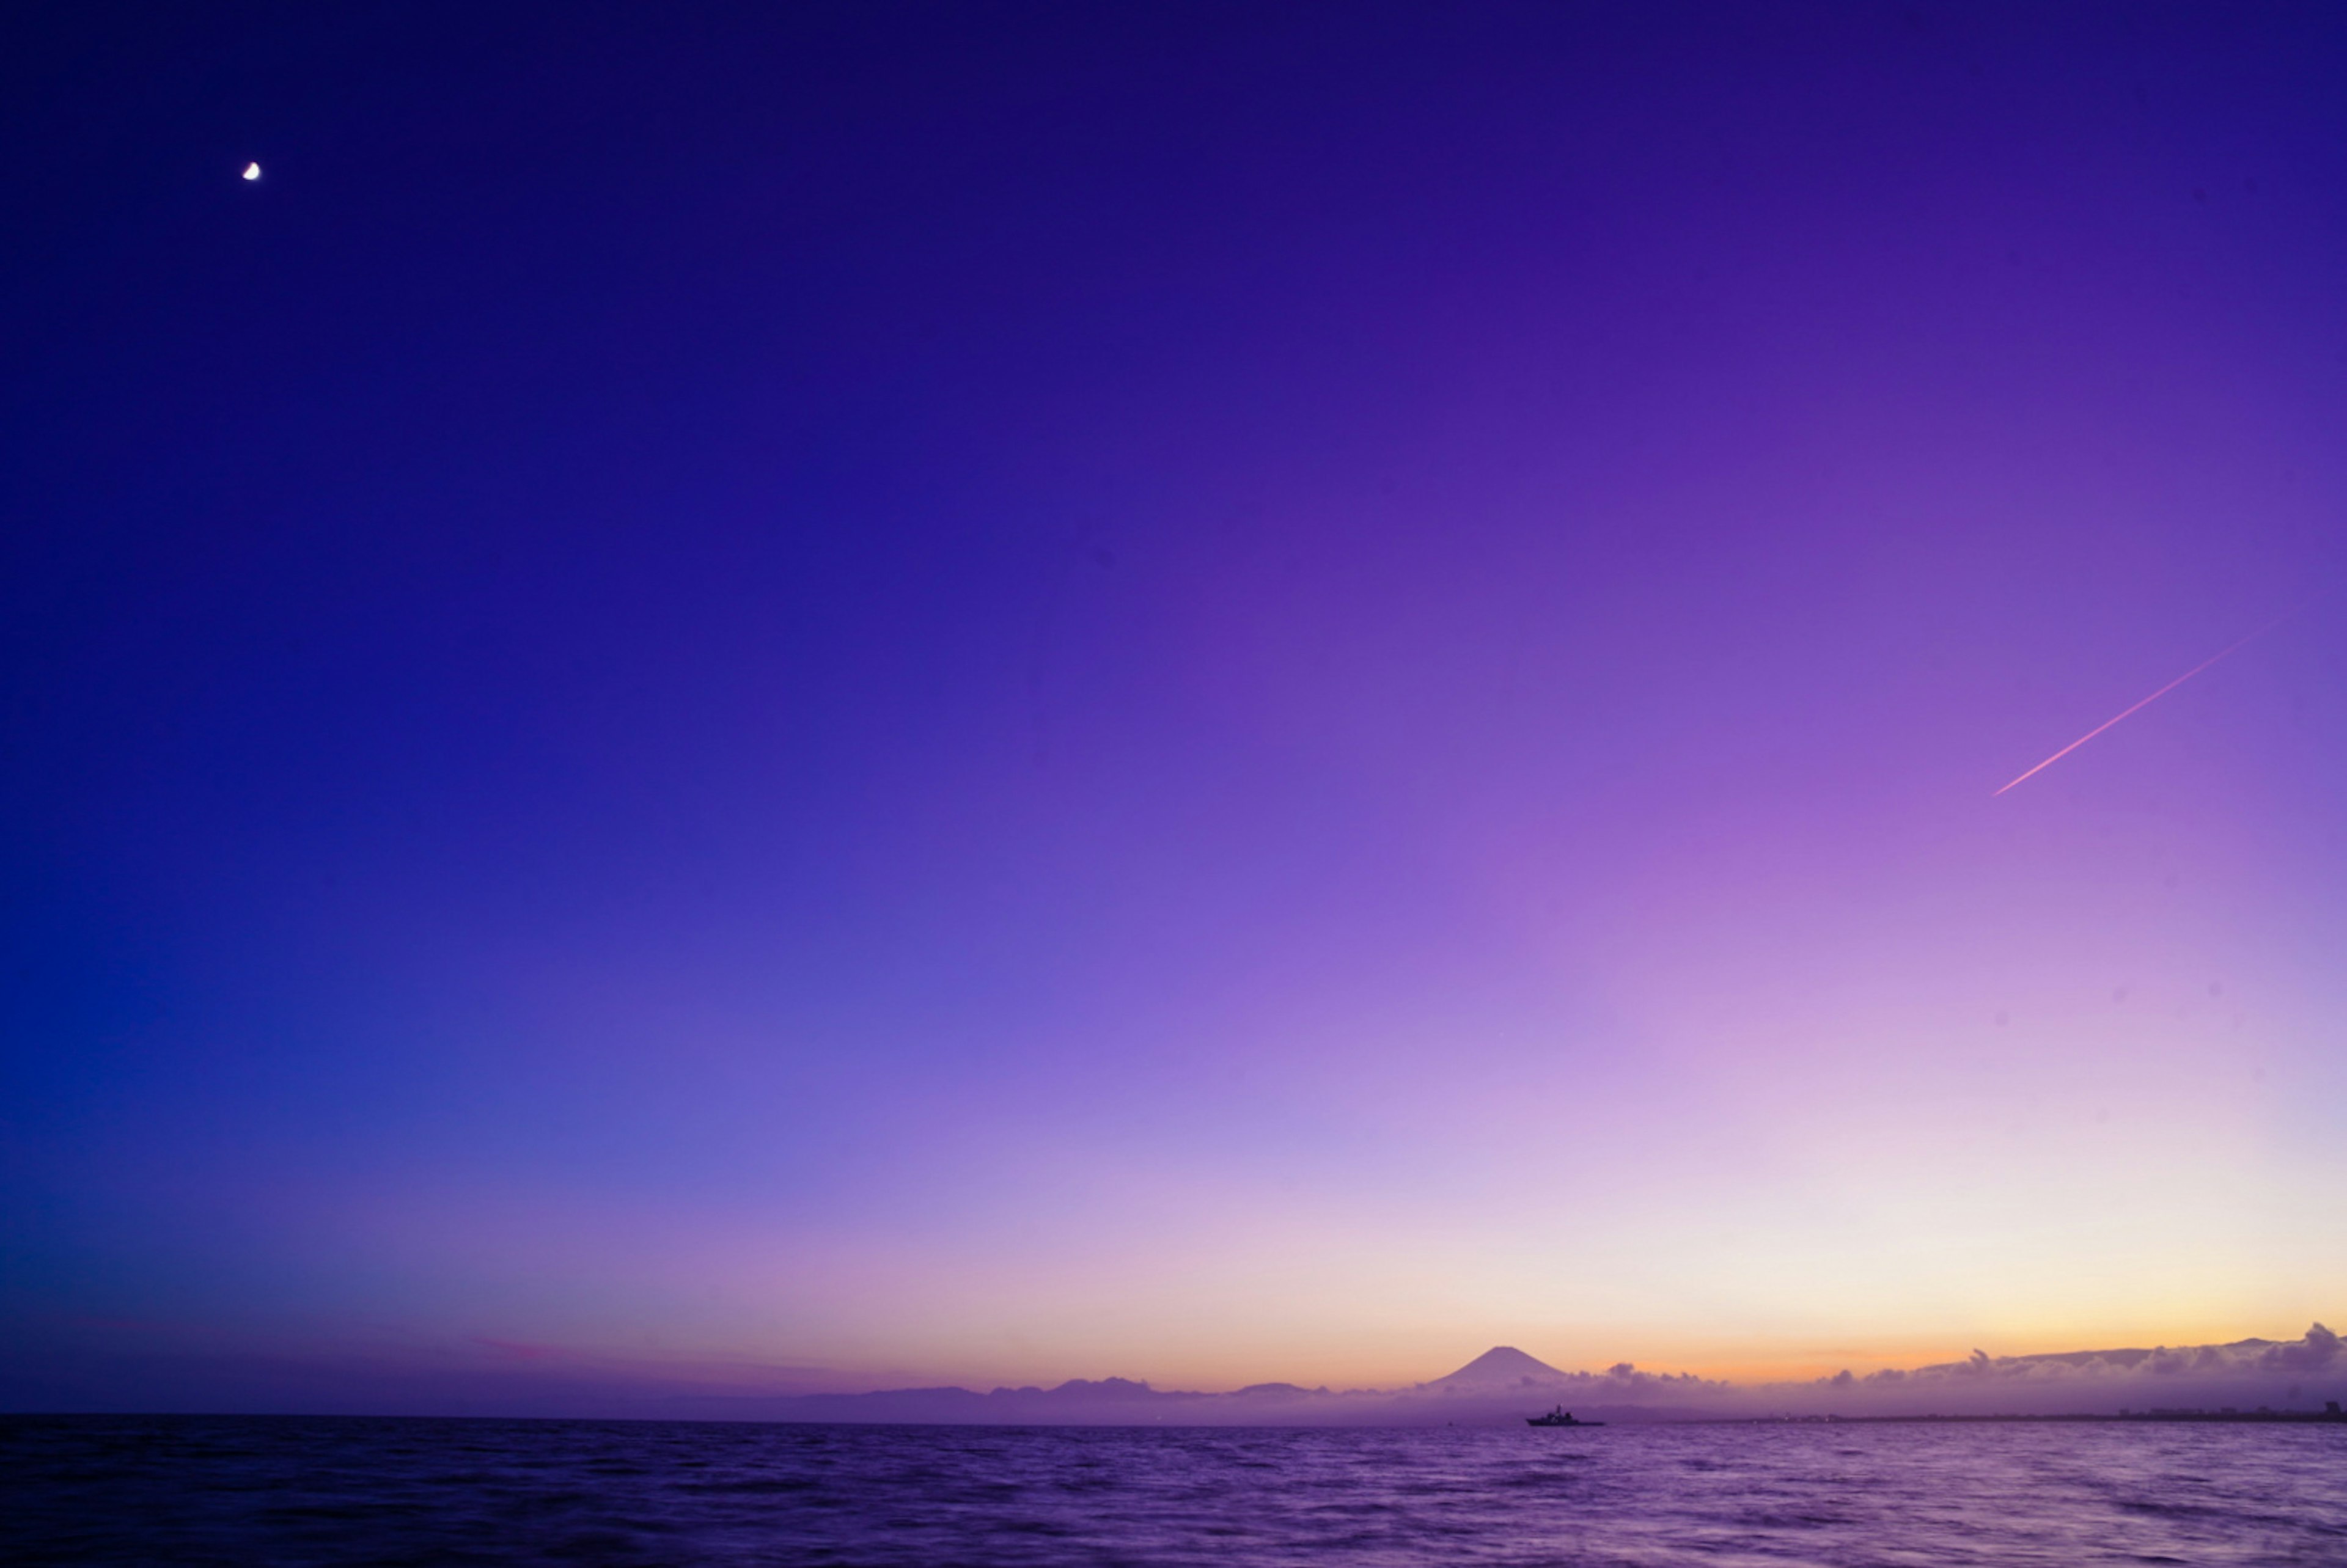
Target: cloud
x,y
514,1349
2319,1348
2246,1372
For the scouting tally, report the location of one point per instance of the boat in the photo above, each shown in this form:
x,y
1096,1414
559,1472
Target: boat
x,y
1558,1417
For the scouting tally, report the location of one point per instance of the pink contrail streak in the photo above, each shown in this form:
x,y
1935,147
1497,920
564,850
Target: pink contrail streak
x,y
2147,702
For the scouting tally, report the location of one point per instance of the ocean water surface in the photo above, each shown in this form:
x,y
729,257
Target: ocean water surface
x,y
289,1491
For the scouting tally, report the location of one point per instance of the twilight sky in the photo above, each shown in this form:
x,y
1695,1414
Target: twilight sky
x,y
806,697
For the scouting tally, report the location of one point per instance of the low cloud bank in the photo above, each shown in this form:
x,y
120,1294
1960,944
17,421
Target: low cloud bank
x,y
2245,1374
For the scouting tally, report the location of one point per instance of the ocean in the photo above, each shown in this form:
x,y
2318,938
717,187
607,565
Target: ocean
x,y
256,1491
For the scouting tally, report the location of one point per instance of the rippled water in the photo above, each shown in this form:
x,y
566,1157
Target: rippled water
x,y
287,1491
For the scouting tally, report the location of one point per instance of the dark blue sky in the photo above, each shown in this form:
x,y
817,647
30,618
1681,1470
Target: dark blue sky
x,y
1263,684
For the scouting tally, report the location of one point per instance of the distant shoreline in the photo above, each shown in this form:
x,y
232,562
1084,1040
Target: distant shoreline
x,y
2317,1418
2135,1418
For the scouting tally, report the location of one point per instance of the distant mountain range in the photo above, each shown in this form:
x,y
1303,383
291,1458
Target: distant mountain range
x,y
1503,1385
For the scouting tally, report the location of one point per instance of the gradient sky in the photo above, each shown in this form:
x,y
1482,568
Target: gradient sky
x,y
809,697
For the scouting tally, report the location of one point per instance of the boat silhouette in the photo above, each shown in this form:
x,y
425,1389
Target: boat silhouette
x,y
1558,1417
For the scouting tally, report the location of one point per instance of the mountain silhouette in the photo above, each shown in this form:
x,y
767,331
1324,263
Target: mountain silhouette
x,y
1500,1367
1503,1385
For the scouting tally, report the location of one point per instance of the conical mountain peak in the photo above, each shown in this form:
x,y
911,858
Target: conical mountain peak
x,y
1501,1365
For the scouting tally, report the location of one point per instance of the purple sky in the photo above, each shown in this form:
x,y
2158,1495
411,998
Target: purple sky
x,y
833,696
